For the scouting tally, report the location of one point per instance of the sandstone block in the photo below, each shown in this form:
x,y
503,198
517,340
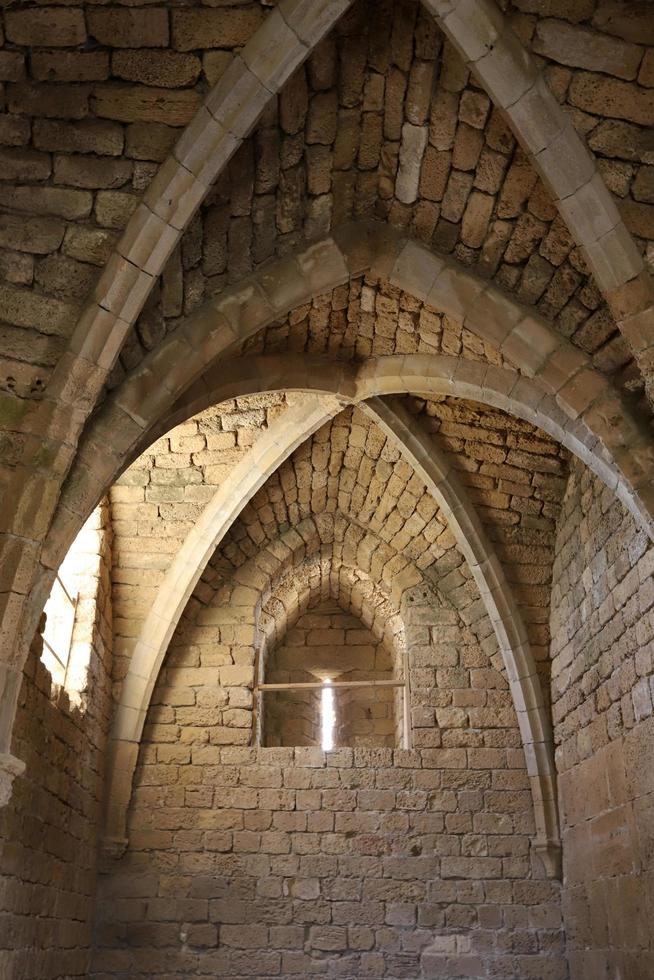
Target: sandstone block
x,y
611,97
12,66
55,102
150,141
476,217
132,103
14,130
91,172
27,309
59,201
24,165
222,28
70,66
113,209
38,235
588,49
631,21
46,27
168,69
92,245
88,136
120,27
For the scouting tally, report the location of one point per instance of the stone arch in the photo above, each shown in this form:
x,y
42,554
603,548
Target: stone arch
x,y
510,76
320,576
488,573
489,47
123,426
626,471
502,610
287,36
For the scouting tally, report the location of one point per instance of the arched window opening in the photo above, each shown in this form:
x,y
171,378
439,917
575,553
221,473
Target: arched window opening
x,y
331,683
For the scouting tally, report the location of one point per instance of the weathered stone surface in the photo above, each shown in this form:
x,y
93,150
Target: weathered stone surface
x,y
59,201
12,66
588,49
45,27
608,96
92,245
91,172
24,165
38,235
28,309
89,136
412,148
158,68
14,130
631,20
142,103
60,102
221,28
69,66
124,27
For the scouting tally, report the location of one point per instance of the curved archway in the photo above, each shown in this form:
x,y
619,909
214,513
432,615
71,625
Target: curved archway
x,y
123,427
487,572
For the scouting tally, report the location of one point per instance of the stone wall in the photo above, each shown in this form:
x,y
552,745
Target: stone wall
x,y
328,642
49,831
156,501
603,690
362,862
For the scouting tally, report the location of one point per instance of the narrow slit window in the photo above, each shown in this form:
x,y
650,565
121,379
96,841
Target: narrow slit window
x,y
327,716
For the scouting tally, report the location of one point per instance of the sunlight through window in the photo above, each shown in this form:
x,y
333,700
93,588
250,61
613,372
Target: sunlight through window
x,y
327,716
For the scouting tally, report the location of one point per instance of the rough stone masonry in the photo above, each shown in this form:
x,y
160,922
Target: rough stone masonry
x,y
326,352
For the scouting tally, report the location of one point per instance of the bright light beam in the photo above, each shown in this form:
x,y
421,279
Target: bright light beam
x,y
327,717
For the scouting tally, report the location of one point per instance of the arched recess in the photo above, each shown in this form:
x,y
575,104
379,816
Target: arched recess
x,y
321,576
287,432
504,613
428,374
285,39
502,610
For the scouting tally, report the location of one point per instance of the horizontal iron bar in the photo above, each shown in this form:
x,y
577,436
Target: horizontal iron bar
x,y
318,685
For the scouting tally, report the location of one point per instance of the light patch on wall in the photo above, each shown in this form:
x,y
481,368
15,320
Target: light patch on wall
x,y
327,716
71,609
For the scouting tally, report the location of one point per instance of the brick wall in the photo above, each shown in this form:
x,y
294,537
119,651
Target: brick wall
x,y
49,830
603,688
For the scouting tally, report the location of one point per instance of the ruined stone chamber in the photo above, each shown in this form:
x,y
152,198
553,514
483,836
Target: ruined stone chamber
x,y
327,489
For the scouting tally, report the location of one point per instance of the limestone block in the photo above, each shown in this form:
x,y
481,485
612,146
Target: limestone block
x,y
41,27
412,148
166,69
312,19
142,103
129,28
274,52
583,48
213,28
70,66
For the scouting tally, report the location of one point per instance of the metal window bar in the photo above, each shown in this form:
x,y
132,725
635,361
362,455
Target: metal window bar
x,y
64,663
317,685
